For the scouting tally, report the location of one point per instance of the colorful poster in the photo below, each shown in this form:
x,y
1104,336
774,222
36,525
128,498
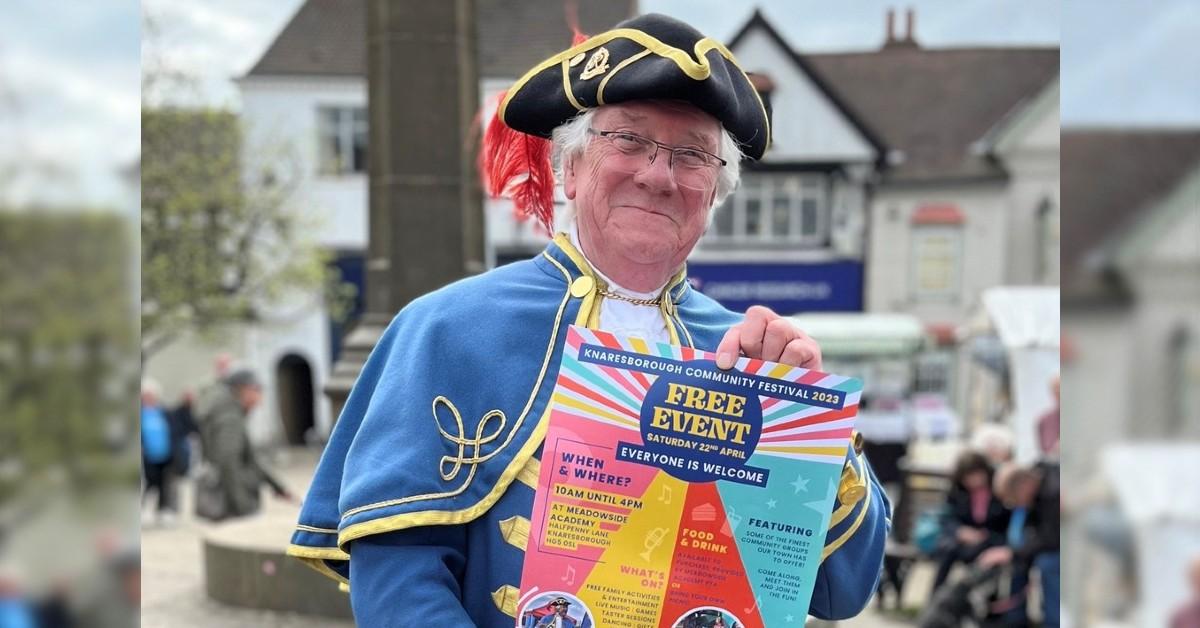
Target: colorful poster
x,y
674,494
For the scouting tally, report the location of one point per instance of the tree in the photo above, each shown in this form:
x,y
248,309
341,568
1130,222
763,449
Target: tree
x,y
218,248
67,332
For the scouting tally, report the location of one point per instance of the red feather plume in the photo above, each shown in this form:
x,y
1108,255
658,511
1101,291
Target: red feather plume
x,y
517,165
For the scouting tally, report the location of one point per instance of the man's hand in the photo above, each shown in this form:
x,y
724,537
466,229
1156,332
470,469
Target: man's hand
x,y
765,335
995,556
969,535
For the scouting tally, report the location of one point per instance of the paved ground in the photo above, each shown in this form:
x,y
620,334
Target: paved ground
x,y
173,572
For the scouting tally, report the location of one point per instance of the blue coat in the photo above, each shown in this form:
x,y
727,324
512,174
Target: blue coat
x,y
428,478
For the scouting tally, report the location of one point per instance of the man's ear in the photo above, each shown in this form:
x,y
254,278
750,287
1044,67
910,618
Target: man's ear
x,y
569,177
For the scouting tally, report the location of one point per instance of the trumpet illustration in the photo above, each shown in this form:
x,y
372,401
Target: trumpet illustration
x,y
653,539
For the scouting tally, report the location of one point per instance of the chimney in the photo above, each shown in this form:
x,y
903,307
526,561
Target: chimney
x,y
894,40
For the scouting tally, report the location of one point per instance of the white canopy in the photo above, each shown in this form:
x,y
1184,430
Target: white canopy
x,y
1155,481
863,334
1027,320
1024,316
1156,487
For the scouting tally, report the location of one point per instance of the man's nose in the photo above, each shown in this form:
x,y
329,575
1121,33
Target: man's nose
x,y
657,175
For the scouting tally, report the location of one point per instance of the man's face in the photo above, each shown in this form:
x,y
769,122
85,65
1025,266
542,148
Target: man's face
x,y
1020,492
644,217
249,397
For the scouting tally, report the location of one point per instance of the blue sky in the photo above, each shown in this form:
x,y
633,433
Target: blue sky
x,y
70,70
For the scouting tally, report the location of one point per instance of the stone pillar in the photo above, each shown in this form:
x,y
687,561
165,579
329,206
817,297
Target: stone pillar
x,y
426,207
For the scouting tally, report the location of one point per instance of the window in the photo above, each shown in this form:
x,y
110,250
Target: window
x,y
1184,381
791,209
936,258
342,140
1047,242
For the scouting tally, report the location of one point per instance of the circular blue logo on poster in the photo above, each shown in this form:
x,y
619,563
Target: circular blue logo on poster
x,y
706,427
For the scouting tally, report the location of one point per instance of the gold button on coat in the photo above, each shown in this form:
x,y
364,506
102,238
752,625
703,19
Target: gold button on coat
x,y
852,488
582,287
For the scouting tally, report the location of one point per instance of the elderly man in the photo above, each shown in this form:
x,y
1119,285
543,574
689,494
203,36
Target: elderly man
x,y
223,410
1033,530
421,502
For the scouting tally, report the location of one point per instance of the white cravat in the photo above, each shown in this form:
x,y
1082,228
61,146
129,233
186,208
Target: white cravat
x,y
623,318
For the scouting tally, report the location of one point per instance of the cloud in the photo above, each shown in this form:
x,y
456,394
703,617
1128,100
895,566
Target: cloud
x,y
1126,64
72,115
212,42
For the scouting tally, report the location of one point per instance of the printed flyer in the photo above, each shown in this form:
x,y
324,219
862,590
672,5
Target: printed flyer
x,y
674,494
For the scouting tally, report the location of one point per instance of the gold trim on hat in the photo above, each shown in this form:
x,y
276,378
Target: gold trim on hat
x,y
566,76
698,70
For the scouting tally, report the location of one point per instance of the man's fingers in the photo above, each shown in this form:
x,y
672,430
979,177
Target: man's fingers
x,y
779,333
765,335
754,328
727,351
803,352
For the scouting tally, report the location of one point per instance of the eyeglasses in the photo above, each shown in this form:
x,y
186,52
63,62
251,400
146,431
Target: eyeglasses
x,y
692,167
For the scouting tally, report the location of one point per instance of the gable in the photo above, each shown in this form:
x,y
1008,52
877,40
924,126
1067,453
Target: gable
x,y
807,126
1034,126
1170,236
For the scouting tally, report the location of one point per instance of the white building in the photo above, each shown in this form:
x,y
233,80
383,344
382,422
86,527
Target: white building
x,y
1131,289
937,172
1131,334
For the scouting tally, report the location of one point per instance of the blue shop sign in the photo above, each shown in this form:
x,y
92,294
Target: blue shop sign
x,y
785,288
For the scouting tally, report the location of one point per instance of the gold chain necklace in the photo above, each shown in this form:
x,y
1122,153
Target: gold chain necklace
x,y
620,297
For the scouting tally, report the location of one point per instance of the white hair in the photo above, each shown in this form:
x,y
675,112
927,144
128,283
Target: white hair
x,y
151,388
571,138
992,439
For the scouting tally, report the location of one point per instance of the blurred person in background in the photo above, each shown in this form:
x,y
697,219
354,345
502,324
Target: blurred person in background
x,y
1032,539
236,474
976,518
223,365
995,442
156,452
15,609
1048,429
54,610
114,597
183,428
1188,615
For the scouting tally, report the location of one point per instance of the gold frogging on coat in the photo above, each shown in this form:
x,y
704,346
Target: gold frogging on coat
x,y
460,439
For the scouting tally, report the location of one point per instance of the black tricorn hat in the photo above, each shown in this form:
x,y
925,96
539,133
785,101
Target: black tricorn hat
x,y
647,57
560,601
